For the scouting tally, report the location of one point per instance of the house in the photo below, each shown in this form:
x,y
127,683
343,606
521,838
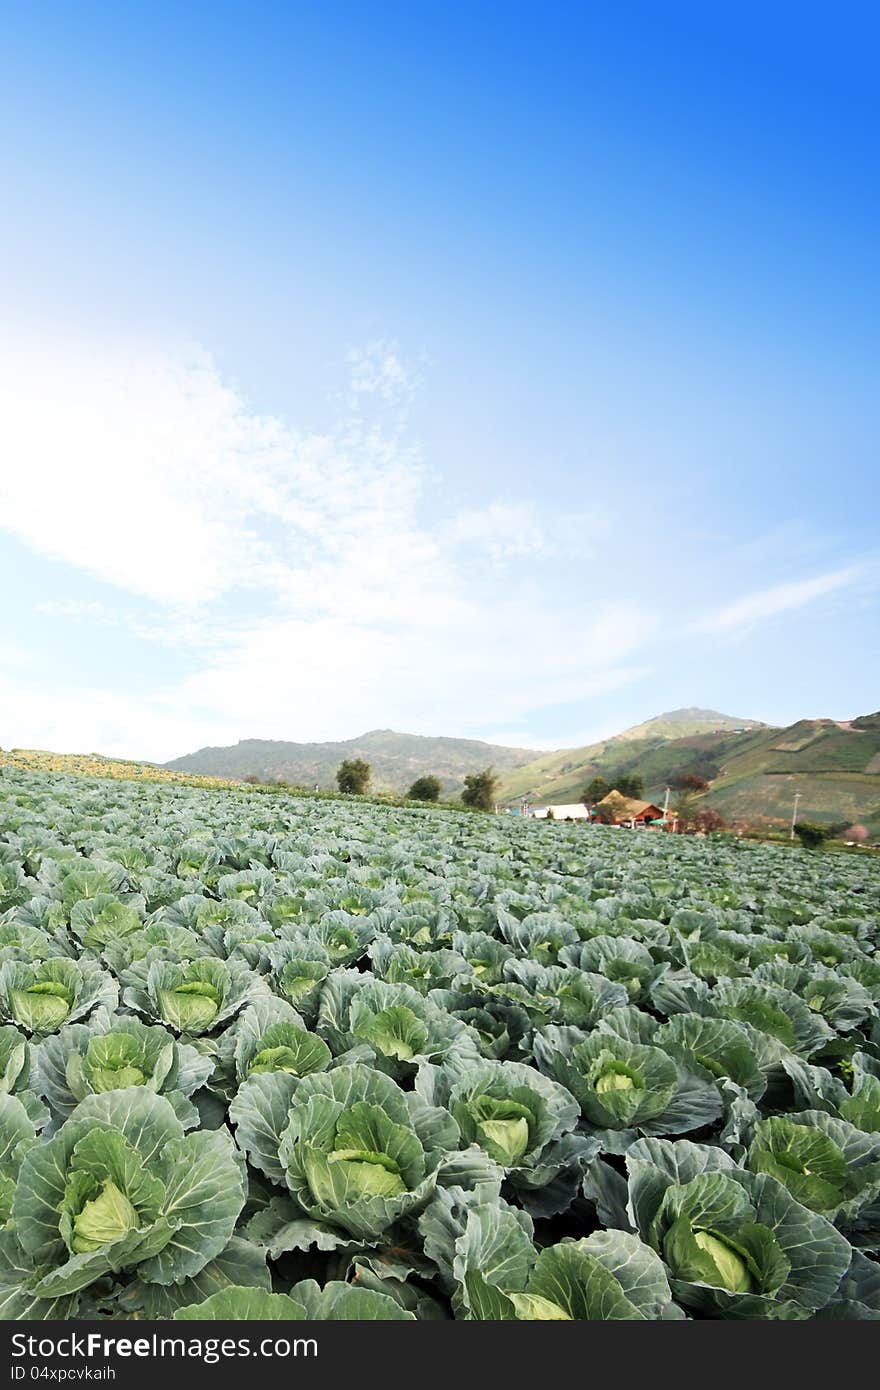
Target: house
x,y
626,810
575,811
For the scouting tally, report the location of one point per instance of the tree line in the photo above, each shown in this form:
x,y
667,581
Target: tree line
x,y
353,776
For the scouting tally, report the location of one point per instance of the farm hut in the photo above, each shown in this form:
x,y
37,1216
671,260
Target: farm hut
x,y
626,810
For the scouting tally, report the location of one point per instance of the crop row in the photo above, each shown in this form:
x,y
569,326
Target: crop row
x,y
281,1058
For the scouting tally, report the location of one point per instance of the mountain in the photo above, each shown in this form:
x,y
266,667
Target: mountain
x,y
396,760
753,775
561,776
681,723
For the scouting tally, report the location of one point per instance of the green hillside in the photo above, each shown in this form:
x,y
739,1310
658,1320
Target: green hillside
x,y
561,776
396,760
753,776
833,766
683,723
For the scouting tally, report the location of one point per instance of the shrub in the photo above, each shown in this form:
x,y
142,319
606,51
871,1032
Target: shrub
x,y
425,789
811,835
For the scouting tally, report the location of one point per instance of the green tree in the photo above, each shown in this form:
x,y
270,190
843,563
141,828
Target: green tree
x,y
595,790
425,789
687,810
353,775
630,784
811,835
479,789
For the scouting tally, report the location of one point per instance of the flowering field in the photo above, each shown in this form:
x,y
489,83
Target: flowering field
x,y
274,1058
96,765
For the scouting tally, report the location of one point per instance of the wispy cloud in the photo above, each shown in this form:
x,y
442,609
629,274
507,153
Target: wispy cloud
x,y
79,610
314,588
755,608
379,370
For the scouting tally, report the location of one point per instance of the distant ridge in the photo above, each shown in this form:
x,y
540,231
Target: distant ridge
x,y
751,770
396,759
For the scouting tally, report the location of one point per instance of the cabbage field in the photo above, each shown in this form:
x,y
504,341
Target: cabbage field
x,y
268,1057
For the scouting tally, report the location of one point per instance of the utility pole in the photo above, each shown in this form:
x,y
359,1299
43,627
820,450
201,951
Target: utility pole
x,y
797,797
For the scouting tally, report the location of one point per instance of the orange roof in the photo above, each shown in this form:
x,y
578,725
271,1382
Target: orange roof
x,y
626,807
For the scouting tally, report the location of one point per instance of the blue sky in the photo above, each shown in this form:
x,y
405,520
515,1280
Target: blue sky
x,y
508,374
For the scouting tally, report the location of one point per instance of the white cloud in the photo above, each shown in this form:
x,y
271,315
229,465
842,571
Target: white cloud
x,y
83,719
142,468
132,466
379,370
502,531
297,570
755,608
79,610
507,531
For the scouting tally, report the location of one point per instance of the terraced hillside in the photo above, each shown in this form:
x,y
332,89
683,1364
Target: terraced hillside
x,y
752,775
833,766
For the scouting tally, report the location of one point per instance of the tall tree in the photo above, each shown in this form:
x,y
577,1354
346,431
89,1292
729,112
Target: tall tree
x,y
688,782
630,784
595,790
353,775
479,790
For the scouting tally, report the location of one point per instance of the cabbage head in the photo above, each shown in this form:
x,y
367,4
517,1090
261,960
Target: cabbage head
x,y
121,1186
736,1244
355,1152
191,998
826,1163
522,1120
113,1052
42,998
298,969
399,1026
610,1276
623,1086
98,921
268,1036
